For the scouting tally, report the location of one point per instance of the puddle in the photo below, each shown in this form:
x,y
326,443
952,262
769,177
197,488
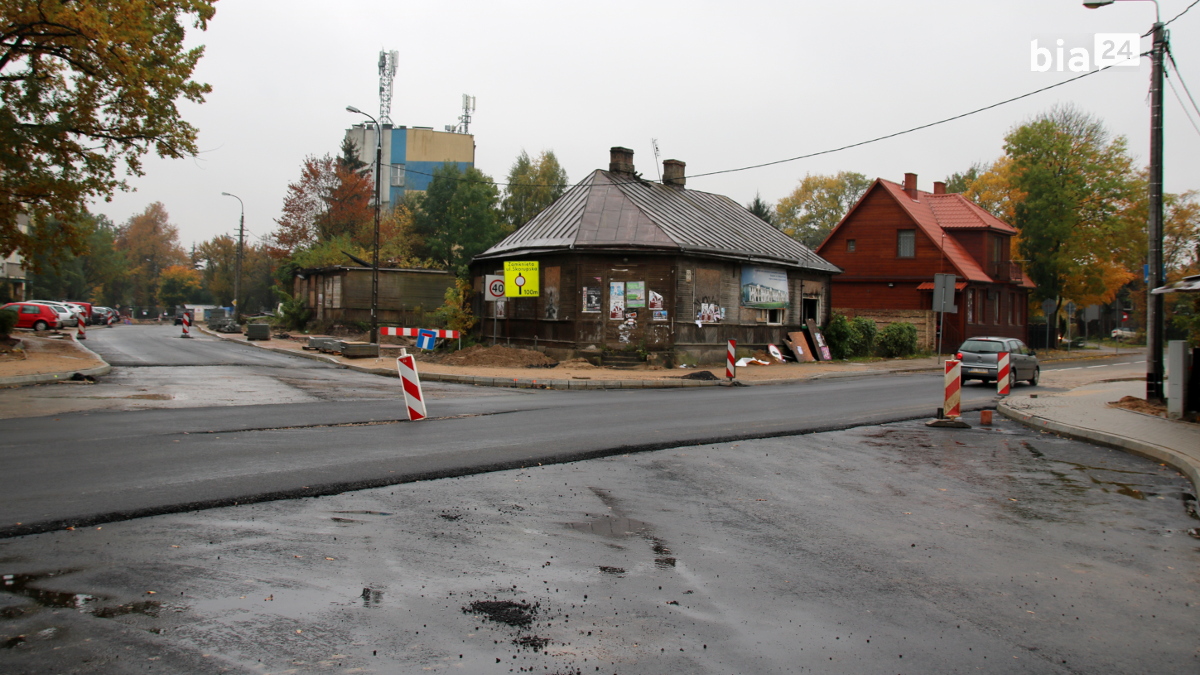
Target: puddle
x,y
615,571
149,608
450,516
664,563
533,642
21,585
611,526
1122,488
346,521
504,611
363,513
371,598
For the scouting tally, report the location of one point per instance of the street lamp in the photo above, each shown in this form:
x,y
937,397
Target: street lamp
x,y
237,275
1154,303
375,258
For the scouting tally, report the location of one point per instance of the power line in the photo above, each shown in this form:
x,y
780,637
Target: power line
x,y
1185,11
1175,67
1186,113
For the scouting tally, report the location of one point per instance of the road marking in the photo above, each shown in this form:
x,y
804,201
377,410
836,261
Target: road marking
x,y
1103,366
1073,368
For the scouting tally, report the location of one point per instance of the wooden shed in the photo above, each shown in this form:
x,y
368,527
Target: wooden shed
x,y
343,294
631,264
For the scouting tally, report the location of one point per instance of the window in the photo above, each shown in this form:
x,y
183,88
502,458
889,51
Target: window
x,y
1012,303
850,245
995,297
773,317
971,305
906,243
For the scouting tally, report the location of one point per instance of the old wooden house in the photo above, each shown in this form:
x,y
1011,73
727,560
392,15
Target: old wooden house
x,y
628,263
897,237
343,294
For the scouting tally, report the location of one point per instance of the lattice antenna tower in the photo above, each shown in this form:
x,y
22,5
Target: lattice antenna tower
x,y
464,122
387,73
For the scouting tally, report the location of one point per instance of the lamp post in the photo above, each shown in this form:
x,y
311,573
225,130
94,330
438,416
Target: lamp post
x,y
1154,258
375,253
237,275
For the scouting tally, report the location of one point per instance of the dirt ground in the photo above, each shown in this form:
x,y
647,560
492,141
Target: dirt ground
x,y
1145,407
32,355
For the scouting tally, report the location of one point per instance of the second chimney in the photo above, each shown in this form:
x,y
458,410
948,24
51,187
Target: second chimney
x,y
620,160
939,188
910,185
673,172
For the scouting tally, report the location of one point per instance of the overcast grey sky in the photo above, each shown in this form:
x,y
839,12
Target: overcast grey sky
x,y
721,85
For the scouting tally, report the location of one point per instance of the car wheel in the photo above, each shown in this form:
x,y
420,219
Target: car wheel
x,y
1012,379
40,326
1037,372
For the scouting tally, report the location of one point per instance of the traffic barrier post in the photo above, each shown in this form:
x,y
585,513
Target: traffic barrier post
x,y
730,365
80,329
1002,374
414,400
186,323
952,407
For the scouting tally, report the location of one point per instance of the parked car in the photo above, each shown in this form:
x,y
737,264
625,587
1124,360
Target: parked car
x,y
85,307
68,316
1122,334
979,360
101,315
34,315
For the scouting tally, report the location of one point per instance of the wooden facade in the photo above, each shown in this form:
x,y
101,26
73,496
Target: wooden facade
x,y
893,242
688,253
343,294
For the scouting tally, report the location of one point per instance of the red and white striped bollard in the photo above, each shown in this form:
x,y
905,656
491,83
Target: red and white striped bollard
x,y
730,368
1002,374
414,400
80,329
952,407
186,323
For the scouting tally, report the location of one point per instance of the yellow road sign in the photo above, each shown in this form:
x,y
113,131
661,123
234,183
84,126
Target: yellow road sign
x,y
521,279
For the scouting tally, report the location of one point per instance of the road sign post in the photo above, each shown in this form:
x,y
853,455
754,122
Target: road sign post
x,y
494,291
943,302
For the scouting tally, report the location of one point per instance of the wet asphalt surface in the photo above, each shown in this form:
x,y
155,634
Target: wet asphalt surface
x,y
893,548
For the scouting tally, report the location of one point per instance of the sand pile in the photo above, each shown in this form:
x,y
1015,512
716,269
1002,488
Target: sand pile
x,y
496,356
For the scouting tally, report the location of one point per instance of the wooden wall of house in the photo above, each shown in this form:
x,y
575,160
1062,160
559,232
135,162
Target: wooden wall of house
x,y
874,228
345,294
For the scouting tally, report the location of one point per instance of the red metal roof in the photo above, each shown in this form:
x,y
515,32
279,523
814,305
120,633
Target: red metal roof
x,y
922,213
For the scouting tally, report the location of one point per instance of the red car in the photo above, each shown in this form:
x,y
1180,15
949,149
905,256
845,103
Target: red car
x,y
33,315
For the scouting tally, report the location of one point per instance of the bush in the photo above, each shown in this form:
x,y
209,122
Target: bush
x,y
862,336
8,320
292,315
898,339
837,336
455,312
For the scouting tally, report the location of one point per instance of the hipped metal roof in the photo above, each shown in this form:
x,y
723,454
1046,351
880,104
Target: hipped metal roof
x,y
619,212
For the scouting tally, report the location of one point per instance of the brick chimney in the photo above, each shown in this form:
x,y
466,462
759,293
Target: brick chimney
x,y
621,160
910,185
939,188
673,172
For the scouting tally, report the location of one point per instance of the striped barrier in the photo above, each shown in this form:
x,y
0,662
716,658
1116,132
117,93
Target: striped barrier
x,y
81,331
1003,376
952,407
186,322
730,367
414,401
416,332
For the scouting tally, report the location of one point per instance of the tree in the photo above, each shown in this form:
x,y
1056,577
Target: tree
x,y
349,159
88,88
1078,185
991,187
330,199
150,244
960,181
532,186
762,209
95,275
176,285
818,204
218,263
458,218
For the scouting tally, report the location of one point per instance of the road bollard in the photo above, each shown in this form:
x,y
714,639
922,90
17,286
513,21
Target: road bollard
x,y
730,356
953,389
985,417
1003,376
186,323
80,329
414,401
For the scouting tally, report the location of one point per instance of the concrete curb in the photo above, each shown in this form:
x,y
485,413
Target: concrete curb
x,y
43,378
1158,453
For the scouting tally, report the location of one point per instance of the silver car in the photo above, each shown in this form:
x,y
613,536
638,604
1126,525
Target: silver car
x,y
979,356
67,316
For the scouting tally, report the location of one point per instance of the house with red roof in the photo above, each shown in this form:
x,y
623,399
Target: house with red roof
x,y
897,237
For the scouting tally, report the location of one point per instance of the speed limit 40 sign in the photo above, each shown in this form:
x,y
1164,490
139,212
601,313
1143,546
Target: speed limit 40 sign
x,y
495,287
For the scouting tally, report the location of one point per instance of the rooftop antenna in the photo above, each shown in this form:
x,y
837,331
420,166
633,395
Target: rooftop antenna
x,y
387,72
468,108
657,164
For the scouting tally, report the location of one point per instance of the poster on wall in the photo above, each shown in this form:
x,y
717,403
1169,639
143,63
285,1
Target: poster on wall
x,y
764,287
655,300
550,284
819,344
591,299
501,307
659,314
710,312
616,300
635,294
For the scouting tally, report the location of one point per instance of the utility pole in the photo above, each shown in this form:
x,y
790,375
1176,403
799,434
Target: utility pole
x,y
378,195
237,275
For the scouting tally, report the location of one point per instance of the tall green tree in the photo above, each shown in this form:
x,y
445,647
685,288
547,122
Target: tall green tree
x,y
458,218
533,184
960,181
1078,184
762,208
94,275
818,204
87,89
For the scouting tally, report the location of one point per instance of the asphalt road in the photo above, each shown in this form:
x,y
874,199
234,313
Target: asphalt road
x,y
882,549
89,468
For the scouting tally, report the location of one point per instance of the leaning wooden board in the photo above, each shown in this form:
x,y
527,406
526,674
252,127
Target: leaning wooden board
x,y
818,339
798,343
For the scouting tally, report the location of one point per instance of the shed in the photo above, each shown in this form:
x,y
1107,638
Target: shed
x,y
631,264
343,294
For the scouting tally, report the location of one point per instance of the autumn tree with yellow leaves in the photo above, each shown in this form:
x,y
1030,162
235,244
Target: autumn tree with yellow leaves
x,y
87,89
